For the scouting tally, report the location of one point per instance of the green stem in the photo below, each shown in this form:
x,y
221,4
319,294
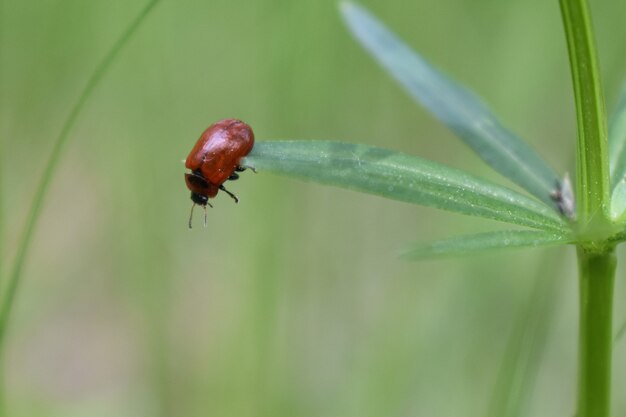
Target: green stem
x,y
596,260
53,161
592,178
597,272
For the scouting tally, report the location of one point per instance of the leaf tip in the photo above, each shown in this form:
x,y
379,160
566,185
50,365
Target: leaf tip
x,y
405,255
351,11
414,252
345,7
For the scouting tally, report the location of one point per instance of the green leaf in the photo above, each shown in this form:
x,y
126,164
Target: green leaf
x,y
617,141
483,242
400,177
453,105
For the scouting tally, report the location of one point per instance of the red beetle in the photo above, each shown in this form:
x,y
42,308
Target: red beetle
x,y
215,159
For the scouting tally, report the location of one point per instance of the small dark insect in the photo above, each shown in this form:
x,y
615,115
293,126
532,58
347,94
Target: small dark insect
x,y
215,159
563,196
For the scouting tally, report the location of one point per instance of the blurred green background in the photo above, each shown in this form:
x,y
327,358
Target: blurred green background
x,y
293,302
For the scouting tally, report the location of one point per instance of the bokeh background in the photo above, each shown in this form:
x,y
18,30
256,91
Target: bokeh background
x,y
292,303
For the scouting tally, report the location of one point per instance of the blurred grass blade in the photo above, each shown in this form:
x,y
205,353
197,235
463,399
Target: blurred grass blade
x,y
521,362
52,164
483,242
617,141
456,107
401,177
621,332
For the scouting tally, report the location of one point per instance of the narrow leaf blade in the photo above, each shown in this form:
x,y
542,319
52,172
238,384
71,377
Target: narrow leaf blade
x,y
617,141
517,378
456,107
483,242
401,177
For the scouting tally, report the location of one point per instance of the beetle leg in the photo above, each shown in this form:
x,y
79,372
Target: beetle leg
x,y
241,168
234,176
233,196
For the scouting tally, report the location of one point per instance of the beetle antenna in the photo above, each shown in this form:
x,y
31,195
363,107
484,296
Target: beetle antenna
x,y
205,215
191,214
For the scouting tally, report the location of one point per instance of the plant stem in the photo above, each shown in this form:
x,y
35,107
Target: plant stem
x,y
53,161
596,259
592,178
597,272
